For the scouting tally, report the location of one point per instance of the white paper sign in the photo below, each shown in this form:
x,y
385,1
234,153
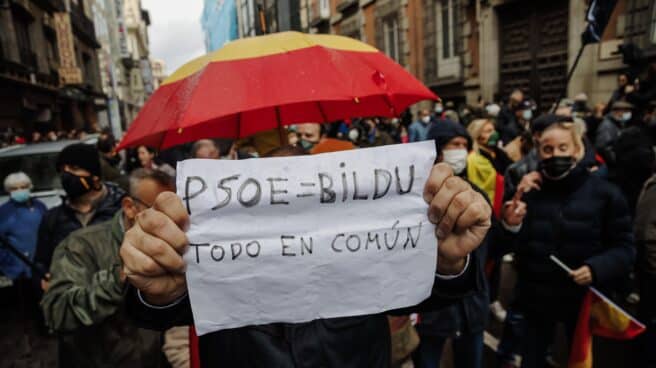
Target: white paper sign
x,y
295,239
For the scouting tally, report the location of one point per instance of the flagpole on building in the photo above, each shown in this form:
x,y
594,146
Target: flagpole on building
x,y
563,93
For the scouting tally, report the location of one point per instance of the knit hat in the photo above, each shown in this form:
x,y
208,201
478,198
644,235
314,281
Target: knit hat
x,y
542,122
82,155
444,131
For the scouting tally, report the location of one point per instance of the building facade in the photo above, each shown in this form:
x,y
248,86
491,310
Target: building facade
x,y
49,78
135,56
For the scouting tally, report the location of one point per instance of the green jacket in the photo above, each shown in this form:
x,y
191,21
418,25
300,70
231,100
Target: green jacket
x,y
84,303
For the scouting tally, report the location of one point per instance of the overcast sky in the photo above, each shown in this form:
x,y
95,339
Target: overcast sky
x,y
175,33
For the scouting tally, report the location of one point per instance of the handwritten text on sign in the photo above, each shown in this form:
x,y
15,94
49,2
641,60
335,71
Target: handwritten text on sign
x,y
299,238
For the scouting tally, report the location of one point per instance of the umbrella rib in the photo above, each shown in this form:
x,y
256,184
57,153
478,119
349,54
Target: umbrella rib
x,y
323,114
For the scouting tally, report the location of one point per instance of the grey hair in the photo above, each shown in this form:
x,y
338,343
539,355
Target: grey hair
x,y
158,176
14,179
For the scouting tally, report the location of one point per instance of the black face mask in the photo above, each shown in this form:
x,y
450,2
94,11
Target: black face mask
x,y
557,167
114,160
76,186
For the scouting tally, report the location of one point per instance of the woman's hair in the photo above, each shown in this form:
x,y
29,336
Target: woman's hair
x,y
576,133
149,149
474,129
15,179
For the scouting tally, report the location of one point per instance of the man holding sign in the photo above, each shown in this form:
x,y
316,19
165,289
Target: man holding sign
x,y
292,262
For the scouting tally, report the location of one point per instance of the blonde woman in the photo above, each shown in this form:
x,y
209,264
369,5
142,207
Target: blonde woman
x,y
578,217
487,163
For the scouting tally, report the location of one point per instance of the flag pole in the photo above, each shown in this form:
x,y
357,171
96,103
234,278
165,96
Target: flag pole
x,y
594,290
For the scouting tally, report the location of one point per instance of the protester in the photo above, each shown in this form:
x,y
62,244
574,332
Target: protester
x,y
374,136
418,131
450,112
110,161
88,200
487,162
464,321
205,148
83,302
589,231
19,221
610,128
619,93
645,233
507,118
313,139
147,156
361,341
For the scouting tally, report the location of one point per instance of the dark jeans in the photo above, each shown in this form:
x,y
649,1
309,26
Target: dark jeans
x,y
511,338
467,351
538,335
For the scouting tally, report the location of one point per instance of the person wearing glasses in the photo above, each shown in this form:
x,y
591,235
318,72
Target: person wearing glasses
x,y
85,294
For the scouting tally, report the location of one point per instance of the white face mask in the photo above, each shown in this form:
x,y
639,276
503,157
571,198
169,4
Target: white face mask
x,y
626,116
456,158
425,119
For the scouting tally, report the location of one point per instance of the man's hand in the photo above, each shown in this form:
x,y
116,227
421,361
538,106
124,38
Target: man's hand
x,y
582,276
461,216
152,250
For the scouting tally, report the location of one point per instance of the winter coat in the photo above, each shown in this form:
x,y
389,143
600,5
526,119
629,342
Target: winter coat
x,y
84,303
645,232
349,342
19,223
581,219
60,221
607,133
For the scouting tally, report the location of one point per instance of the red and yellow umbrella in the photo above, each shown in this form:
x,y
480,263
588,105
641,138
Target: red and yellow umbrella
x,y
262,83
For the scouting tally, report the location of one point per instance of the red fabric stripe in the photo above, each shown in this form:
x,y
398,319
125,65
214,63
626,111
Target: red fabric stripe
x,y
194,353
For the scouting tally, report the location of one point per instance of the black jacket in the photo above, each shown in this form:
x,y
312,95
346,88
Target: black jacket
x,y
362,341
582,220
60,221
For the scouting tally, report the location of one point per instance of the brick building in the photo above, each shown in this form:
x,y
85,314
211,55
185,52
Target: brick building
x,y
48,66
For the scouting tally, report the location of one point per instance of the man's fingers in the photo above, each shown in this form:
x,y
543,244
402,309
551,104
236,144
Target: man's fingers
x,y
477,217
439,173
458,206
135,262
161,226
451,187
171,205
161,252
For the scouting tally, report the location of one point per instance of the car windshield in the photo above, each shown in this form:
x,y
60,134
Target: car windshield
x,y
39,167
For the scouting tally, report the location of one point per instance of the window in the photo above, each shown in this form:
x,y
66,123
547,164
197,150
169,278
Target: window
x,y
391,37
446,15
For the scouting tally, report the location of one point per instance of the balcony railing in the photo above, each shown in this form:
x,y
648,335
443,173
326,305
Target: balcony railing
x,y
83,25
316,13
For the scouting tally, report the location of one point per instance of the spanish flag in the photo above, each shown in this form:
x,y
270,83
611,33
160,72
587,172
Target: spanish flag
x,y
599,316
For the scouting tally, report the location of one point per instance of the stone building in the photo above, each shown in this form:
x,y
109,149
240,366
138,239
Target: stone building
x,y
49,76
138,84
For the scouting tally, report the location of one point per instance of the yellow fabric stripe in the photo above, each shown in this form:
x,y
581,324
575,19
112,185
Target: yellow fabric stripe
x,y
267,45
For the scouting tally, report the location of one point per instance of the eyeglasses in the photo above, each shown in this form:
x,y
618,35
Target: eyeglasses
x,y
136,199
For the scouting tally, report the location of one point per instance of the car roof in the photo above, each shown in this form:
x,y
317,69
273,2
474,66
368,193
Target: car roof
x,y
45,147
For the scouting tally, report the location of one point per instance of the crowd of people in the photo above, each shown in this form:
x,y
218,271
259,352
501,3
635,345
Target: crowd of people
x,y
576,183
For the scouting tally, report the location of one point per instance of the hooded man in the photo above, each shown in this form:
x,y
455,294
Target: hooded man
x,y
88,200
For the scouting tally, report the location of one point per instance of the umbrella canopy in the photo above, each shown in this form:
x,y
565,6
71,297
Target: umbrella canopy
x,y
260,83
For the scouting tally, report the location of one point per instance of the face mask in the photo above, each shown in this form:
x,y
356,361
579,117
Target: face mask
x,y
626,116
353,135
557,167
76,186
456,158
527,114
20,195
307,145
493,140
439,109
425,119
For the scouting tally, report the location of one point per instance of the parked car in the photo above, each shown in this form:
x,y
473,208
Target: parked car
x,y
38,162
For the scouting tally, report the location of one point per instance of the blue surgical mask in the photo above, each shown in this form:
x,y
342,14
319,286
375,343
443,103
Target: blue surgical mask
x,y
20,195
307,145
527,114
